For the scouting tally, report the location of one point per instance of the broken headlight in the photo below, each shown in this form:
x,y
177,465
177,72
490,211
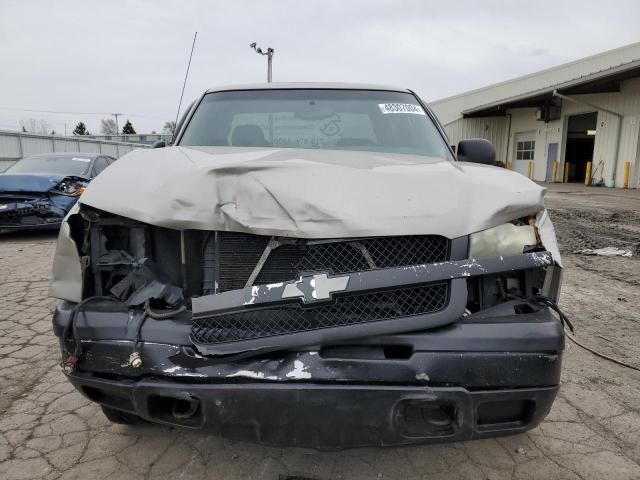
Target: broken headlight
x,y
506,239
69,187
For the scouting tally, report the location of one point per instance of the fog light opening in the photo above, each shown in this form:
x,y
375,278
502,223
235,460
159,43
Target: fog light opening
x,y
181,408
420,418
184,409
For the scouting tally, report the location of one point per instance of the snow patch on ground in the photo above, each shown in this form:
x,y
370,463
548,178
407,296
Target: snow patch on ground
x,y
607,252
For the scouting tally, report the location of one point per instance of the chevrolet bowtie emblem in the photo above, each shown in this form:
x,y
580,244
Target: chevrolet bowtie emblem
x,y
313,288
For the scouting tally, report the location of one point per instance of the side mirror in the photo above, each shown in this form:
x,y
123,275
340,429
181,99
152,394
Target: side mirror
x,y
476,150
159,144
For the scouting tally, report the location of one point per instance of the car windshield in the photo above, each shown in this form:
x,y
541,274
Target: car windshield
x,y
366,120
55,164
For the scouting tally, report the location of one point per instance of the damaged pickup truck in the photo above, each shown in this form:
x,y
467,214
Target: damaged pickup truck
x,y
38,191
311,265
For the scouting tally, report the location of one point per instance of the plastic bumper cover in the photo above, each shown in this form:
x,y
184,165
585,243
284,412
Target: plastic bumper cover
x,y
327,417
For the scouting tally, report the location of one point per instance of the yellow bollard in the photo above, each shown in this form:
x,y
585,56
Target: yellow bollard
x,y
530,174
566,172
627,167
587,176
555,172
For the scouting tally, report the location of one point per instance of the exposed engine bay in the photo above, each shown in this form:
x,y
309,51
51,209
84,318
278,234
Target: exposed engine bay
x,y
246,289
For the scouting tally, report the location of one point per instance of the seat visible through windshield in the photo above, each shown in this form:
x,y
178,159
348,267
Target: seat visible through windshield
x,y
367,120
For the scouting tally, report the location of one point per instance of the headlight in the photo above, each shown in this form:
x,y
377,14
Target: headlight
x,y
70,188
506,239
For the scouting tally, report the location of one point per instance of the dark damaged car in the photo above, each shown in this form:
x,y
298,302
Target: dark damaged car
x,y
312,265
38,191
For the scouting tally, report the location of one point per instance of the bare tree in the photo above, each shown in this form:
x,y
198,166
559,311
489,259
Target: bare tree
x,y
32,125
108,126
169,127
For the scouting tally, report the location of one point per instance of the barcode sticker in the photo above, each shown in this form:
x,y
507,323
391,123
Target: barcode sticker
x,y
401,108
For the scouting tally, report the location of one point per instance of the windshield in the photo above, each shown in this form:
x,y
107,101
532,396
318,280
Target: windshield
x,y
368,120
57,165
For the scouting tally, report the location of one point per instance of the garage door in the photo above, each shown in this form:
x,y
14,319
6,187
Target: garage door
x,y
525,147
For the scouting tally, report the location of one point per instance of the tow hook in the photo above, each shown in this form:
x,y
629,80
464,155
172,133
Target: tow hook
x,y
135,360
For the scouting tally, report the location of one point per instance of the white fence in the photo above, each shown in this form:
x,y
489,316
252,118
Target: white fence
x,y
15,145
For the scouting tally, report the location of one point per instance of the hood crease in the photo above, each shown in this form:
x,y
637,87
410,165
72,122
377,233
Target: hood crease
x,y
308,193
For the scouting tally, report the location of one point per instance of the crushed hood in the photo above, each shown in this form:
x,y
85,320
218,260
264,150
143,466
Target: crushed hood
x,y
310,193
32,183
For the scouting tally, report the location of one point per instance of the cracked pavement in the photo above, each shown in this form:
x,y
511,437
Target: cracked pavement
x,y
49,431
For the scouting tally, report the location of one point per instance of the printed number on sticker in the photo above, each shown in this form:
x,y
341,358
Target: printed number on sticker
x,y
401,108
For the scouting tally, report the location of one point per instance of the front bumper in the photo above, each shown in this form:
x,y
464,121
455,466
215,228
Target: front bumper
x,y
482,376
33,213
8,228
327,417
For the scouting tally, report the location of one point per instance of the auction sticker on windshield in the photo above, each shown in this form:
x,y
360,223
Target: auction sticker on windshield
x,y
401,108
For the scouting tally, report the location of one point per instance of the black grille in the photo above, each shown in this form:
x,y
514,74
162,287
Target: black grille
x,y
239,254
296,318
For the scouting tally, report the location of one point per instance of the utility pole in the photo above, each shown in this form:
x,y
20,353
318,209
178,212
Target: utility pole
x,y
269,53
117,128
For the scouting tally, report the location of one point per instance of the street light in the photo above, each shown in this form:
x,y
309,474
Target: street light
x,y
269,54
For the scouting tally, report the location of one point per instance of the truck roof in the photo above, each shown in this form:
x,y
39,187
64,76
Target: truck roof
x,y
306,85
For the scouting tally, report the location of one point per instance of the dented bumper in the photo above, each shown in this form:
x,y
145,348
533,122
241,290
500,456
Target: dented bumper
x,y
480,376
33,213
291,314
329,417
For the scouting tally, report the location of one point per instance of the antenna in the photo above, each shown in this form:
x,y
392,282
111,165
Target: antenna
x,y
185,83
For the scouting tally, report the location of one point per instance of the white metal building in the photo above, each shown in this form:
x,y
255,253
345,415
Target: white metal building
x,y
579,112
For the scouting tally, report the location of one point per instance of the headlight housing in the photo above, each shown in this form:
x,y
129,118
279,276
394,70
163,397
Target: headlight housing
x,y
65,281
506,239
70,188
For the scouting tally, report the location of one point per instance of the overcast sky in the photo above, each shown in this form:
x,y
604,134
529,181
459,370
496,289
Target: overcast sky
x,y
98,57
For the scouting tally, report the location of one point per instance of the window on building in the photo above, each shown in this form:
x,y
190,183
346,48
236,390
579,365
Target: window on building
x,y
524,150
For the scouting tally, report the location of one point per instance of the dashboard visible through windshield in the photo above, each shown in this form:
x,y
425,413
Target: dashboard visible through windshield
x,y
366,120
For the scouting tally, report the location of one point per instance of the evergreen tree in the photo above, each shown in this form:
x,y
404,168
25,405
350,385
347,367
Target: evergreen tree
x,y
128,129
81,129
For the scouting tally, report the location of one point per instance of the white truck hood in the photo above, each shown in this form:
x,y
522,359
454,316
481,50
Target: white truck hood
x,y
310,193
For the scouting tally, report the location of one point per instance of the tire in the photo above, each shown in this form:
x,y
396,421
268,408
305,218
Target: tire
x,y
120,417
